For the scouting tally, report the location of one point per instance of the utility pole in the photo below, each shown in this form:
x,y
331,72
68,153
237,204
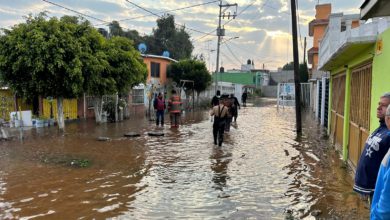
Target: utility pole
x,y
221,33
296,69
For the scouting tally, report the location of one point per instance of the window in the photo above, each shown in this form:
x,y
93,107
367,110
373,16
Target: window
x,y
155,69
138,96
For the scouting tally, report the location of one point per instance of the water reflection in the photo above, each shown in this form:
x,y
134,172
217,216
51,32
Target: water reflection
x,y
262,171
221,157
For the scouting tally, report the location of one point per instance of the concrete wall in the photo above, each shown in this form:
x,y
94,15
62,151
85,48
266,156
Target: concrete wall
x,y
283,76
269,91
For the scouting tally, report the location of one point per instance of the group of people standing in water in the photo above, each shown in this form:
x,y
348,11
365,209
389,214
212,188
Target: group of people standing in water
x,y
225,111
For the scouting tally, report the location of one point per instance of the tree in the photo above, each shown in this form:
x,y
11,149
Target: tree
x,y
65,58
288,66
191,70
103,32
168,37
115,29
42,57
303,72
115,67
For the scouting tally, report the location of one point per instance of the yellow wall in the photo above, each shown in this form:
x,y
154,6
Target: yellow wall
x,y
69,108
7,104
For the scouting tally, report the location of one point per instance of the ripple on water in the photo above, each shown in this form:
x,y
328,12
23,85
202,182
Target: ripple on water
x,y
262,171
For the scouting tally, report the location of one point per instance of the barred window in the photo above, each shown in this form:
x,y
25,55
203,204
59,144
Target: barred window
x,y
138,96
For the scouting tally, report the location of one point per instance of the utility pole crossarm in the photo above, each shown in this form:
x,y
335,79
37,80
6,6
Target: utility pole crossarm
x,y
221,33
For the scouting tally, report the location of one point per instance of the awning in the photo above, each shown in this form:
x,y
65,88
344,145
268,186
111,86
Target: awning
x,y
374,8
350,48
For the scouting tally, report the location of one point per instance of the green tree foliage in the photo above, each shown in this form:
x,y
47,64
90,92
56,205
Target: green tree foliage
x,y
303,72
191,70
42,57
66,57
166,37
126,66
288,66
175,40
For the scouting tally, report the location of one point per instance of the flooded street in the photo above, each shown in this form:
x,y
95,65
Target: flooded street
x,y
262,171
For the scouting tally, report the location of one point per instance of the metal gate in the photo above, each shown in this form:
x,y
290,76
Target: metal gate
x,y
337,109
359,110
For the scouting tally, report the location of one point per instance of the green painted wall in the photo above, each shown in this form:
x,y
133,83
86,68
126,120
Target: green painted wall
x,y
380,77
246,78
363,56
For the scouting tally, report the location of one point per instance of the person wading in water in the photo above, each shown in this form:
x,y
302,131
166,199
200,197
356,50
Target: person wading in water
x,y
219,112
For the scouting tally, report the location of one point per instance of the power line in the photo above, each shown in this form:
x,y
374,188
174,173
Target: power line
x,y
228,57
226,22
231,52
242,11
164,12
153,13
82,14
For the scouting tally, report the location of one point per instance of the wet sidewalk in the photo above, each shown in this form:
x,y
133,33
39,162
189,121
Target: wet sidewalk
x,y
262,171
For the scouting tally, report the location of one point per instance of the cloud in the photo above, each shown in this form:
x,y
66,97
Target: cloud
x,y
263,26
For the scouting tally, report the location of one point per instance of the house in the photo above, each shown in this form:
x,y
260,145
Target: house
x,y
356,57
157,81
319,79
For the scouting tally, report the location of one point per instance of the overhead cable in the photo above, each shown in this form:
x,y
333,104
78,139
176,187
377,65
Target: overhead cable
x,y
153,13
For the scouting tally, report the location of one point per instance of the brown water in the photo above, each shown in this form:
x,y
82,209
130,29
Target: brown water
x,y
261,172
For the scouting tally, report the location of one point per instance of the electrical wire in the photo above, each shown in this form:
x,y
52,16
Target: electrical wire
x,y
228,58
155,14
164,12
82,14
231,52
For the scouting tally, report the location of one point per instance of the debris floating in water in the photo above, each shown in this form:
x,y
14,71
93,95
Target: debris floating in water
x,y
132,134
155,133
103,138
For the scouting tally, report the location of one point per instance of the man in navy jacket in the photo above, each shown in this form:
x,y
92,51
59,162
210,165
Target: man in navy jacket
x,y
380,208
376,147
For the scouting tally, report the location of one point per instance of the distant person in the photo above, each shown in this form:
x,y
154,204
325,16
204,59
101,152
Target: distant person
x,y
376,147
228,101
380,208
244,97
159,106
215,99
235,107
219,112
174,105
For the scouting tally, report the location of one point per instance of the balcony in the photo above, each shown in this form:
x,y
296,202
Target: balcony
x,y
341,40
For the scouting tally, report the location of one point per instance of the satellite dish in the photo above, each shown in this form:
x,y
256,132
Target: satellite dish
x,y
166,53
142,47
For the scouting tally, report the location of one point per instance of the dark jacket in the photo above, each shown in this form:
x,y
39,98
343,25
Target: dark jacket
x,y
215,101
375,149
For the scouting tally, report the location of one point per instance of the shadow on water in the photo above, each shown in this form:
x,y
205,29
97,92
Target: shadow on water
x,y
262,171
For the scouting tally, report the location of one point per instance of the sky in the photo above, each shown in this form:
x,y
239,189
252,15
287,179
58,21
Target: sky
x,y
260,32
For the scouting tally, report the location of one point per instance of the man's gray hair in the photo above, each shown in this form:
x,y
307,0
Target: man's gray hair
x,y
386,95
388,111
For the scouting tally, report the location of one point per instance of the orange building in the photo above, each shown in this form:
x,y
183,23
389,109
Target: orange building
x,y
157,68
316,30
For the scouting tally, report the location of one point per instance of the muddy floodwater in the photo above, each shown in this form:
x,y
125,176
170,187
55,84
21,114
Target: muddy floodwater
x,y
262,171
